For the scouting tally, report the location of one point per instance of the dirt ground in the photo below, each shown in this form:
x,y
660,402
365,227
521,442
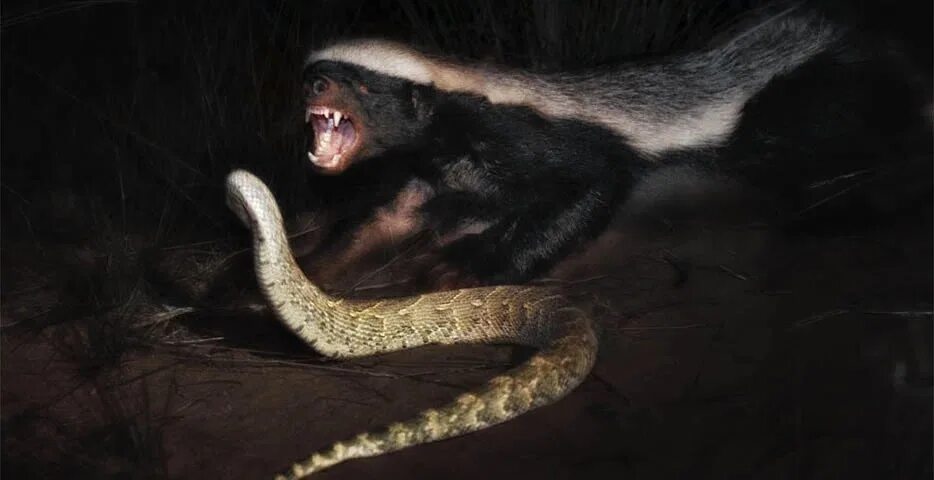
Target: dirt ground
x,y
728,353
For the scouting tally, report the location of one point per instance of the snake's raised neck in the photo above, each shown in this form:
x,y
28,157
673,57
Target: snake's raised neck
x,y
533,316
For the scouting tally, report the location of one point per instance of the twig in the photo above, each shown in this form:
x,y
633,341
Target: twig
x,y
733,273
194,341
53,10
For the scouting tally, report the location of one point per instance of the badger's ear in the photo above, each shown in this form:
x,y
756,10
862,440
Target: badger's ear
x,y
423,101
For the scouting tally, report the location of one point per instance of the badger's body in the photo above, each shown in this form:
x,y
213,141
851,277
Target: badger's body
x,y
792,105
535,185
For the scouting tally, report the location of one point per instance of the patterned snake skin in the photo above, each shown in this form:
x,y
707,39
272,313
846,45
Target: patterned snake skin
x,y
535,316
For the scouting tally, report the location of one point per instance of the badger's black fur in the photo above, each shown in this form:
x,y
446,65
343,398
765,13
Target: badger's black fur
x,y
543,163
537,185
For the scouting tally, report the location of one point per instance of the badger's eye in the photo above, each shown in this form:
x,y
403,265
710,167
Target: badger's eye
x,y
363,89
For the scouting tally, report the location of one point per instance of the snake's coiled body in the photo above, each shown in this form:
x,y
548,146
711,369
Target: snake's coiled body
x,y
533,316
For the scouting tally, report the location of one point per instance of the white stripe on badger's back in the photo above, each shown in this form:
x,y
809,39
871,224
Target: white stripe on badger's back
x,y
682,101
505,87
387,58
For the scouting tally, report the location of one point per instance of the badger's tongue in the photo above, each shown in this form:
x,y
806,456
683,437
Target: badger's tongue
x,y
330,141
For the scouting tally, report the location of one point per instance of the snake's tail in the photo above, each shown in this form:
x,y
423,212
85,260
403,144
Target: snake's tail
x,y
549,375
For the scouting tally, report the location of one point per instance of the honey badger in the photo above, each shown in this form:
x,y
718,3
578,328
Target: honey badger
x,y
535,185
530,164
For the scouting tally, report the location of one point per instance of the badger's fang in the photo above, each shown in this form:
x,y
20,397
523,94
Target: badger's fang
x,y
332,135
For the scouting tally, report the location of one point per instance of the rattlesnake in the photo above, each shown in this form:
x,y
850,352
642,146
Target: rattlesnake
x,y
536,316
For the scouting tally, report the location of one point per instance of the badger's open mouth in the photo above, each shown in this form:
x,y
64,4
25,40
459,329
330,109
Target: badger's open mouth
x,y
333,137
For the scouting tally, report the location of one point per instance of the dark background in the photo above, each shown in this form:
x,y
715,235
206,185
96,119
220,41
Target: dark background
x,y
121,118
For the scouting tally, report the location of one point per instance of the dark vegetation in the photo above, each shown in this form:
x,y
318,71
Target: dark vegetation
x,y
740,355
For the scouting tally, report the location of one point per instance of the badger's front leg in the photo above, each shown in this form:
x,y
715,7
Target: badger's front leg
x,y
387,227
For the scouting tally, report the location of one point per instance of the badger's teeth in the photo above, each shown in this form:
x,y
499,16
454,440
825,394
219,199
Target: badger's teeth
x,y
337,119
320,110
330,123
336,159
312,157
307,115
